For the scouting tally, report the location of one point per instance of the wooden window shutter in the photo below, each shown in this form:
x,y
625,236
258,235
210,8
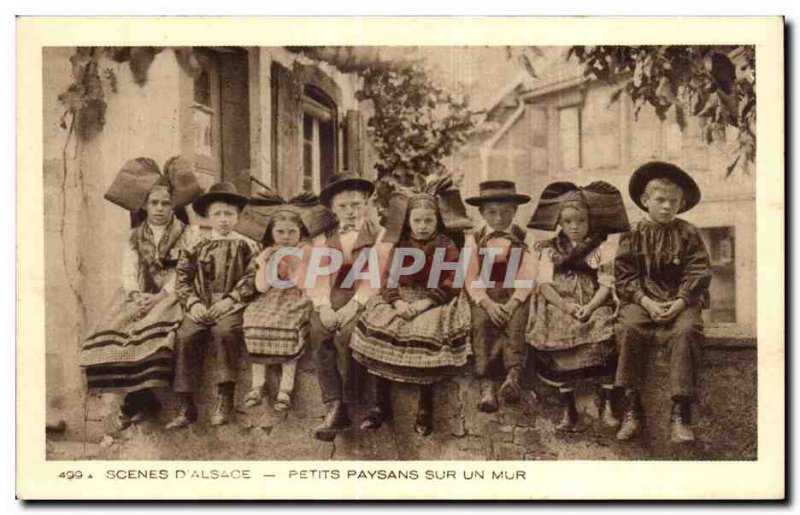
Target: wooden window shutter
x,y
235,120
353,123
288,93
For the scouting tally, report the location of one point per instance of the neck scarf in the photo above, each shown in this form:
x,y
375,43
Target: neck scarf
x,y
569,257
513,233
154,256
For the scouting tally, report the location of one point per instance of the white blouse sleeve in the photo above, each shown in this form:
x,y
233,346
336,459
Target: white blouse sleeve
x,y
130,269
320,291
606,253
169,281
364,289
544,266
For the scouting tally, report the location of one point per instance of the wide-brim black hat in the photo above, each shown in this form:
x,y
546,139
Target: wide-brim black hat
x,y
498,191
219,192
661,170
343,182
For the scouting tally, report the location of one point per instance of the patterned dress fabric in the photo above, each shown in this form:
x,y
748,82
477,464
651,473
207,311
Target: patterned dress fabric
x,y
127,350
276,323
568,350
434,343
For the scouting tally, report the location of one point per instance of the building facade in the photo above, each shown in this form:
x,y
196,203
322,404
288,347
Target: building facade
x,y
565,128
246,115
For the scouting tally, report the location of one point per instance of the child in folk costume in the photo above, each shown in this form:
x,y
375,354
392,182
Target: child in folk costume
x,y
336,303
663,273
499,313
571,322
130,349
411,332
276,324
214,284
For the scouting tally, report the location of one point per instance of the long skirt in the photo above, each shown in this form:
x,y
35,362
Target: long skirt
x,y
591,363
127,351
276,326
569,352
422,350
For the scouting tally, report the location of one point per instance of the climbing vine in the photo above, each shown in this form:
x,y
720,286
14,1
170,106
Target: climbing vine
x,y
415,126
84,100
84,116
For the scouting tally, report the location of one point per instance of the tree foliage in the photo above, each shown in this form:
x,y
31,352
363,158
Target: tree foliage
x,y
701,81
416,124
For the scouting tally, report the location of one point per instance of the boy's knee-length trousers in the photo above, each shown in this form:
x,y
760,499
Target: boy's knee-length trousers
x,y
336,370
226,338
683,337
494,346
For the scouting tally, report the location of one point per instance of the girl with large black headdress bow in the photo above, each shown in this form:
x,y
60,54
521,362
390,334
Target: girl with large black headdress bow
x,y
571,322
130,347
409,332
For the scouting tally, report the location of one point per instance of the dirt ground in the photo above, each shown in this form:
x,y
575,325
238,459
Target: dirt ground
x,y
725,425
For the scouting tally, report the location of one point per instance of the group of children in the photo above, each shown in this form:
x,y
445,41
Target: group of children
x,y
581,308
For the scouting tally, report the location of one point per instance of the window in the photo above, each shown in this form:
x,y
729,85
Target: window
x,y
214,117
645,136
673,140
319,139
696,149
569,137
600,127
202,88
205,115
720,242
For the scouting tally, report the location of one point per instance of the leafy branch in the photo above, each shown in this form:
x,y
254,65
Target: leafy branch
x,y
416,124
84,102
701,81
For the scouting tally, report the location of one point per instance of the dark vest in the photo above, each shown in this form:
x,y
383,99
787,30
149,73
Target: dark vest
x,y
500,265
364,241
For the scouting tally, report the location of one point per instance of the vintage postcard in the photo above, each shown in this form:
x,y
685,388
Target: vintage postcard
x,y
400,258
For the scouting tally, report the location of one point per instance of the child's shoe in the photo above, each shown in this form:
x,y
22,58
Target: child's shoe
x,y
509,390
122,421
680,420
254,397
336,421
424,422
488,402
606,405
187,413
381,410
283,402
634,418
570,418
224,411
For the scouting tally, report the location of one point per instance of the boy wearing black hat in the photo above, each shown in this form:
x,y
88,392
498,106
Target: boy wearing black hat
x,y
336,304
214,284
662,272
499,314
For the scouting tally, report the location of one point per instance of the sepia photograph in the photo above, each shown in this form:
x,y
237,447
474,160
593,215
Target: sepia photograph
x,y
401,253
